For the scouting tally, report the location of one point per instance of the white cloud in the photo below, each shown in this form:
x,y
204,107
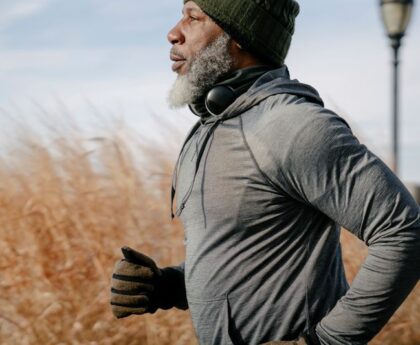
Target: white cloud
x,y
12,11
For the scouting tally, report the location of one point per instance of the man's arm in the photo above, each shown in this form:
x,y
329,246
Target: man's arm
x,y
328,168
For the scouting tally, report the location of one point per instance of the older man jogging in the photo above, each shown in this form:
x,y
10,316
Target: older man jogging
x,y
263,183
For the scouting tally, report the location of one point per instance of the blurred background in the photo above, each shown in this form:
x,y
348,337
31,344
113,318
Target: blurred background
x,y
88,145
115,57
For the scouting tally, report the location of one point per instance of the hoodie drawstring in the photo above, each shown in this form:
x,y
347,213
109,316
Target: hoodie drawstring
x,y
201,148
178,163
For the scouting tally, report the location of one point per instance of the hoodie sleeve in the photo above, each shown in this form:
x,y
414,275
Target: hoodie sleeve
x,y
325,166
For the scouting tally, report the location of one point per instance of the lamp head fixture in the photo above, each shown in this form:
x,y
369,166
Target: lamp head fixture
x,y
396,15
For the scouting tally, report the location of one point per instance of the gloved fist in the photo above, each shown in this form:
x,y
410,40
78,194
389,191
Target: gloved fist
x,y
134,283
139,286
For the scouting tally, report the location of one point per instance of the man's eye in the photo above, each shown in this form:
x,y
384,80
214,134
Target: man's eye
x,y
193,18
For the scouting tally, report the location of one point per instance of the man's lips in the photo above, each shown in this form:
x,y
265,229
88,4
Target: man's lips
x,y
177,65
178,62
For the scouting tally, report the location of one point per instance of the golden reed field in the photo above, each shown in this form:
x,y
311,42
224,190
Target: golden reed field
x,y
69,201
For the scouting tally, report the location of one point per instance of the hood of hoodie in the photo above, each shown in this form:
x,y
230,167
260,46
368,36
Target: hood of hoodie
x,y
276,81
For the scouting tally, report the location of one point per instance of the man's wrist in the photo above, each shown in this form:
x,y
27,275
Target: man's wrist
x,y
171,290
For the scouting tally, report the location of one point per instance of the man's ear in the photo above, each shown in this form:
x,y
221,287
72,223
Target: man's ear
x,y
236,50
236,44
242,57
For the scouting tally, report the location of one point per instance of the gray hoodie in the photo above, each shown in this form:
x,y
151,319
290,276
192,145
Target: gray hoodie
x,y
262,191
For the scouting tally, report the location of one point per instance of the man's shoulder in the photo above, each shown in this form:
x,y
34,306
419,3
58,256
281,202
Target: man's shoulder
x,y
285,116
289,136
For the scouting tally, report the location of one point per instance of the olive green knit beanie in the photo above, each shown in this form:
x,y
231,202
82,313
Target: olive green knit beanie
x,y
263,27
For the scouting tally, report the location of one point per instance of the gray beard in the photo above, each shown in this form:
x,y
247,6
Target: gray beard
x,y
205,69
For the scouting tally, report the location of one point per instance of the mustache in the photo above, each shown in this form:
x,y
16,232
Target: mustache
x,y
177,53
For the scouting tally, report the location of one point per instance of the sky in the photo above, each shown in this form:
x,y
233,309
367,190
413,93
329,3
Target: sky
x,y
108,57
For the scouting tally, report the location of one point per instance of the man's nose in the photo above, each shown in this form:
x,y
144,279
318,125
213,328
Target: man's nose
x,y
175,35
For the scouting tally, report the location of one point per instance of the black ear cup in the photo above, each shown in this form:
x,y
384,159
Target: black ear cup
x,y
219,98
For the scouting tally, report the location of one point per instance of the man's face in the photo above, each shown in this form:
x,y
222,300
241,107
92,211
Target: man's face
x,y
201,55
190,35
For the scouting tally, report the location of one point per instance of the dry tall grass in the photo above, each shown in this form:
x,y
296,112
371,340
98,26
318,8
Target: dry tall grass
x,y
67,205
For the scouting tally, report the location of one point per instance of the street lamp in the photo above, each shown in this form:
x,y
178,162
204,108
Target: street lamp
x,y
396,15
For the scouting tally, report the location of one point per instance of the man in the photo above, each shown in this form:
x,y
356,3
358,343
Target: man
x,y
263,183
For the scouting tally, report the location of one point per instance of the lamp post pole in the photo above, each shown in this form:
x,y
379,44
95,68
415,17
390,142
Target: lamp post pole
x,y
396,44
396,15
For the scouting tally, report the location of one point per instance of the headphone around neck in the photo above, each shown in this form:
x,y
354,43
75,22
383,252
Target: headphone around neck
x,y
223,94
219,98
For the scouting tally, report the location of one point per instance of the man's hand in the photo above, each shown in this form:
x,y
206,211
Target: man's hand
x,y
139,286
135,282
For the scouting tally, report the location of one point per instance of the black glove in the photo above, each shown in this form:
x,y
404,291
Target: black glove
x,y
139,286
